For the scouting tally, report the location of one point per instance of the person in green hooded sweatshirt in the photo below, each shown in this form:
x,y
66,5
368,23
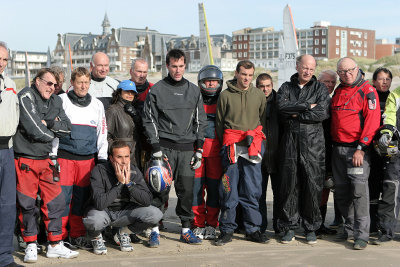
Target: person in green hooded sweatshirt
x,y
240,110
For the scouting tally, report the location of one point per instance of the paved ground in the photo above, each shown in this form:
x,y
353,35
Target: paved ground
x,y
237,253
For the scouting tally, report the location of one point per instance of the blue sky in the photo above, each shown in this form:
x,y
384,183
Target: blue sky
x,y
34,25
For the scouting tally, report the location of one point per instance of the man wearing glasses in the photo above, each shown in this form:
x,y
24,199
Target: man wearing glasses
x,y
42,118
303,103
355,119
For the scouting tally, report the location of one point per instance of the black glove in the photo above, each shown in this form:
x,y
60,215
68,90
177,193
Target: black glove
x,y
130,109
55,168
249,139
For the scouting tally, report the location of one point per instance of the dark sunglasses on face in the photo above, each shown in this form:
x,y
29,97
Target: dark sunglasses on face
x,y
48,83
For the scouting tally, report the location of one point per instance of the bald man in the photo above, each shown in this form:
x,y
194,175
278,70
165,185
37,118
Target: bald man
x,y
101,85
303,104
355,113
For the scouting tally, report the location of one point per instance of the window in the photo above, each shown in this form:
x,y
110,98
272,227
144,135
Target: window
x,y
337,41
316,51
257,46
365,44
270,45
234,54
234,38
323,32
365,53
365,35
323,41
337,33
323,51
309,34
245,54
240,54
251,46
337,51
234,46
245,46
240,46
245,37
240,38
316,32
276,53
316,41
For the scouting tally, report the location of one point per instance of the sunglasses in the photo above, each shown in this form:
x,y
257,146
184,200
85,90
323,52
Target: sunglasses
x,y
49,83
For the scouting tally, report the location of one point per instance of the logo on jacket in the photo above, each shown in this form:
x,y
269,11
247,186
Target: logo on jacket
x,y
372,104
177,94
226,184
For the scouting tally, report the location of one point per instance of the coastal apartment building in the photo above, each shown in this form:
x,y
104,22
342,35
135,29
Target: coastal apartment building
x,y
16,66
323,41
221,49
122,45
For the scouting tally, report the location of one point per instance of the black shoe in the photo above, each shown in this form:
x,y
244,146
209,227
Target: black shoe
x,y
135,239
223,239
360,244
323,230
257,237
14,264
343,237
288,237
381,240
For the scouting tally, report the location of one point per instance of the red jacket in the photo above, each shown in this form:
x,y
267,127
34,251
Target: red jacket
x,y
355,114
231,137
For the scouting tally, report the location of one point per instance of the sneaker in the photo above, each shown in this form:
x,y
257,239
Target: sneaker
x,y
199,232
209,233
223,239
154,240
190,238
135,239
124,242
335,224
98,245
257,237
323,230
311,238
31,253
81,242
343,237
360,244
381,240
60,251
288,237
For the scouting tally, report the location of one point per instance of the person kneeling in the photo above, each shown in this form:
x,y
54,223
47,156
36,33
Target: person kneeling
x,y
120,198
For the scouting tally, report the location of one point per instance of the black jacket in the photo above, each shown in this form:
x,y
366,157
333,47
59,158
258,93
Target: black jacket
x,y
34,139
271,131
106,194
175,112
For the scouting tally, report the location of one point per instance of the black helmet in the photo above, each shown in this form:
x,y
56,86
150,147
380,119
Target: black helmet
x,y
393,148
210,72
158,174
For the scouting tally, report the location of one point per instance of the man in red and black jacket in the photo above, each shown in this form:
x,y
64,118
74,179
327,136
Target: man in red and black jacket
x,y
355,119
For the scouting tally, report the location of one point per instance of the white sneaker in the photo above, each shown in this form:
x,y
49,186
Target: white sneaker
x,y
60,251
199,232
31,253
98,245
209,233
124,242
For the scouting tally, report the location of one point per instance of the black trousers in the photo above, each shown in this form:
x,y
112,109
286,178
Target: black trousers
x,y
183,182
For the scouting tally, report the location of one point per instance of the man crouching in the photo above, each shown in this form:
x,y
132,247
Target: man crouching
x,y
120,198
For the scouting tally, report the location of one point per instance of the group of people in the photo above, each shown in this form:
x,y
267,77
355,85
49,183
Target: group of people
x,y
83,153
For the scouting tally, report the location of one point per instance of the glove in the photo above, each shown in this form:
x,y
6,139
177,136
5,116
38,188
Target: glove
x,y
55,168
132,112
195,162
384,141
249,139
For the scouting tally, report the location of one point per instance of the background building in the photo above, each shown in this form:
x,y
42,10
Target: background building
x,y
16,67
122,45
323,41
221,50
383,48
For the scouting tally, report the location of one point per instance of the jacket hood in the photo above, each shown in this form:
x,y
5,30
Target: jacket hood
x,y
232,86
